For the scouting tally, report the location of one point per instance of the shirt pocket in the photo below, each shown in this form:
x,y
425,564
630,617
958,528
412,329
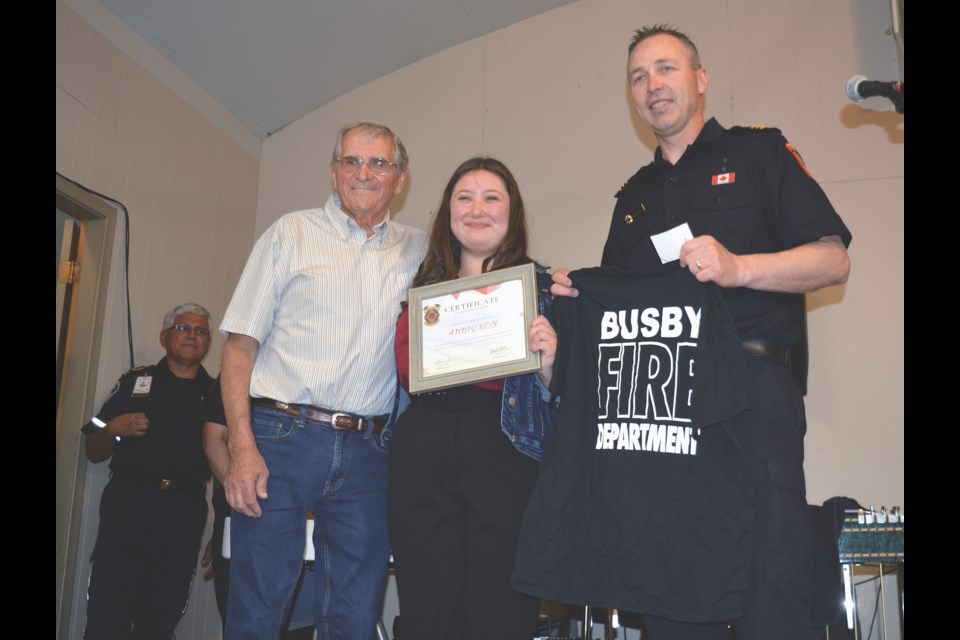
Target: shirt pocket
x,y
398,284
728,212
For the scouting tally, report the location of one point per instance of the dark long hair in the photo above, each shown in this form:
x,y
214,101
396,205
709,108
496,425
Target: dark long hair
x,y
443,250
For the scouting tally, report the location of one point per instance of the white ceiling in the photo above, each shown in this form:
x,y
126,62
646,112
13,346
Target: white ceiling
x,y
270,62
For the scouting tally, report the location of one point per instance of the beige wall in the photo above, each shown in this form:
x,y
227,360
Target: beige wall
x,y
548,96
191,191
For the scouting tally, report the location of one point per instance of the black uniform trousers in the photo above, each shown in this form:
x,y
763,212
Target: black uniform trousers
x,y
221,565
457,492
144,559
770,437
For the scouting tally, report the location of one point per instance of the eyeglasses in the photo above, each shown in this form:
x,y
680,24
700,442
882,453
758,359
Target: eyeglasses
x,y
376,166
183,327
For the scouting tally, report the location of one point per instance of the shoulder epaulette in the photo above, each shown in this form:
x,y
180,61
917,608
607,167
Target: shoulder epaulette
x,y
632,178
135,371
754,128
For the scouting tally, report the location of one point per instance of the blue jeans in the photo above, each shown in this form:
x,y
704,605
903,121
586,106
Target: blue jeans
x,y
341,476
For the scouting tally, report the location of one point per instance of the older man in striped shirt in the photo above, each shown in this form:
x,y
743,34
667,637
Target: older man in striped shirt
x,y
310,338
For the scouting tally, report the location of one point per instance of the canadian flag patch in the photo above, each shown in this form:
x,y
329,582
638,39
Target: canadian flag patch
x,y
723,178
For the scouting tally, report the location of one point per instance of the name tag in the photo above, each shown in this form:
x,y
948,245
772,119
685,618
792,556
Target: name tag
x,y
141,387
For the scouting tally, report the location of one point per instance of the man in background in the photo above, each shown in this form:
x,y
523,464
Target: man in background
x,y
153,509
218,455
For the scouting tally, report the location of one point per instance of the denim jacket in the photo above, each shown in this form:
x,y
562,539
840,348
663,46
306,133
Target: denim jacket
x,y
400,403
527,413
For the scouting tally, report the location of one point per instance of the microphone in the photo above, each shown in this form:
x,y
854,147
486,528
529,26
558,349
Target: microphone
x,y
859,89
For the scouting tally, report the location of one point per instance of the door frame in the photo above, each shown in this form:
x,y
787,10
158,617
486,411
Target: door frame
x,y
78,389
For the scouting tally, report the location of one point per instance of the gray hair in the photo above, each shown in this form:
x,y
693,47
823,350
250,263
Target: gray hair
x,y
190,307
373,130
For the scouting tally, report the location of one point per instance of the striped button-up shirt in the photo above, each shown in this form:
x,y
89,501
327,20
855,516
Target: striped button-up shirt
x,y
322,299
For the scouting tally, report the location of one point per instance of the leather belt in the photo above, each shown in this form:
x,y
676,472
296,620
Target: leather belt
x,y
155,482
334,419
765,349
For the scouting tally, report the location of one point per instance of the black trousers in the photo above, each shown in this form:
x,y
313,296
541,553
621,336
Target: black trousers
x,y
221,565
457,492
143,561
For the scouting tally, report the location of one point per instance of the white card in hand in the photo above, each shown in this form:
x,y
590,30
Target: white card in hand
x,y
669,242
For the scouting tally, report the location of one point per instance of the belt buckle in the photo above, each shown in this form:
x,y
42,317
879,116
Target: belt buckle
x,y
166,485
347,417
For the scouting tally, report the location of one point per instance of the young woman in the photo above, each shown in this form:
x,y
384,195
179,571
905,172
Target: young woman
x,y
463,461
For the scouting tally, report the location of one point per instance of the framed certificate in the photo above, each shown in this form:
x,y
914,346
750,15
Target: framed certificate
x,y
472,329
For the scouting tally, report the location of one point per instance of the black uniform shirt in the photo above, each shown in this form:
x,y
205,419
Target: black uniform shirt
x,y
747,188
172,447
213,410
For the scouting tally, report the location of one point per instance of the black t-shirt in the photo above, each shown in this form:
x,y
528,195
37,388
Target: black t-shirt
x,y
172,447
640,503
